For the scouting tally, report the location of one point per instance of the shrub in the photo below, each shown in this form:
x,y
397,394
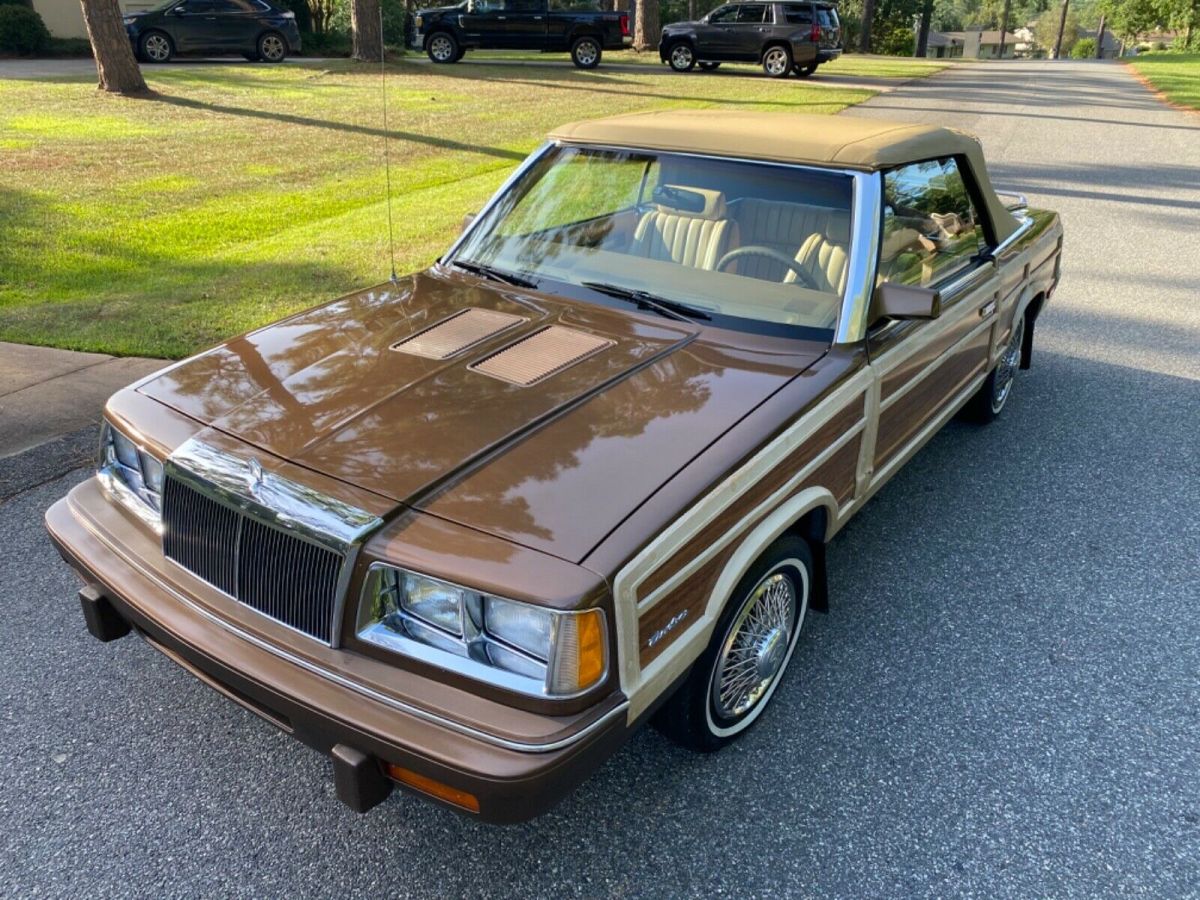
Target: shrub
x,y
1085,48
22,31
27,3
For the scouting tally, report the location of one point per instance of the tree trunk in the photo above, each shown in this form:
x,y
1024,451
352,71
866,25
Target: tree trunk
x,y
1062,24
115,63
864,33
366,30
692,10
1004,26
923,31
1100,39
645,30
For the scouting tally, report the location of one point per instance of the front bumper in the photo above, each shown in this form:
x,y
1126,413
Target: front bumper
x,y
363,734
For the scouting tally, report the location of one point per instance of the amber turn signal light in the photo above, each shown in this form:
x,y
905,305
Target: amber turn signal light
x,y
433,788
579,654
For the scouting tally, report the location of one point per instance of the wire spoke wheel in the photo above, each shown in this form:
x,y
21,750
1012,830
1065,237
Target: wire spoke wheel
x,y
756,647
1006,369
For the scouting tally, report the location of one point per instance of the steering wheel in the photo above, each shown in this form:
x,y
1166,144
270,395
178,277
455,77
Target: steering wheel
x,y
758,250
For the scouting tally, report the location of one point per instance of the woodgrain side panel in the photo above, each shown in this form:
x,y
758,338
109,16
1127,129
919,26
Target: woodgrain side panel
x,y
918,362
687,601
904,418
838,424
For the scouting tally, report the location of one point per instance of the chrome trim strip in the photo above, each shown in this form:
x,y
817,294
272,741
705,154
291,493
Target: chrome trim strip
x,y
864,245
1026,225
268,497
342,681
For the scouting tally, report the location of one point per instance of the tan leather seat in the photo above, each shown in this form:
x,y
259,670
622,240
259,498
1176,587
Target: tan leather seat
x,y
696,238
815,236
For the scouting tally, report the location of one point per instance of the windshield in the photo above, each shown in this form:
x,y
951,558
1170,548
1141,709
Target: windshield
x,y
753,246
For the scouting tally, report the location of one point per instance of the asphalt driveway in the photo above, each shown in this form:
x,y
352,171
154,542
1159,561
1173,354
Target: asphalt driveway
x,y
1004,701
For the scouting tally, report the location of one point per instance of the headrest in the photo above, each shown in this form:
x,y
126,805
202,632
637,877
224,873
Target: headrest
x,y
701,203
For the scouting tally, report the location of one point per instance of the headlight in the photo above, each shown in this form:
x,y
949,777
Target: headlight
x,y
418,21
131,474
129,20
529,649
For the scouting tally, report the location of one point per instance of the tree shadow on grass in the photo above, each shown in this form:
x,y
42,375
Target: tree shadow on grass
x,y
347,127
582,83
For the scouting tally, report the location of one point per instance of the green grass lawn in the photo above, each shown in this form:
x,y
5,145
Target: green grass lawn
x,y
854,64
1175,74
157,227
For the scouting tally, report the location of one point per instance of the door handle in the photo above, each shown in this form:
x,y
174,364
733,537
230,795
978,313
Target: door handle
x,y
501,18
537,18
987,309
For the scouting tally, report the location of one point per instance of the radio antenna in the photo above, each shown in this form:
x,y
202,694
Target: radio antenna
x,y
387,167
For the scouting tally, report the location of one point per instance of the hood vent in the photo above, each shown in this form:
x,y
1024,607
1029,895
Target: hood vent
x,y
541,355
460,332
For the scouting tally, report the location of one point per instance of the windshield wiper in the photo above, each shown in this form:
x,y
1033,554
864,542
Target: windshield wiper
x,y
672,309
495,274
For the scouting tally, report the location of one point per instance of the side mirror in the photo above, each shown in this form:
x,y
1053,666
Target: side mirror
x,y
905,301
467,222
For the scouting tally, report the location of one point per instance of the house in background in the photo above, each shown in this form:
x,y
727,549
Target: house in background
x,y
64,18
979,44
942,46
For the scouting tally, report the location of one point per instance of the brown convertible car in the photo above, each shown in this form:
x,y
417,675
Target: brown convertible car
x,y
466,530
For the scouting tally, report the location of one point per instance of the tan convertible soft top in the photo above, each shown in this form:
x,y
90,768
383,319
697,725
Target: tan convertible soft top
x,y
845,141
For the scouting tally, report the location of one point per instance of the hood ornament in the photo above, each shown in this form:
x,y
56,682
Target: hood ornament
x,y
255,481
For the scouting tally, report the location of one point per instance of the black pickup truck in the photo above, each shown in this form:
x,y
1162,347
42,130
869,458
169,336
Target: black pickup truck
x,y
555,26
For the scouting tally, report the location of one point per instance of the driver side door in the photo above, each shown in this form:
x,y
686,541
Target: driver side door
x,y
934,237
195,26
717,37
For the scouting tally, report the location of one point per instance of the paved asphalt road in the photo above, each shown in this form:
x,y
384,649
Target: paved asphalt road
x,y
1004,702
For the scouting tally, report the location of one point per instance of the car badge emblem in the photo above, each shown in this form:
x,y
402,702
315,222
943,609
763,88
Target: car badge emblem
x,y
256,476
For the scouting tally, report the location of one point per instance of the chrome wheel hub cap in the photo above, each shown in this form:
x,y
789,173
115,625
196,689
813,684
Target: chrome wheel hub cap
x,y
1006,369
441,48
756,647
272,48
776,62
681,57
587,54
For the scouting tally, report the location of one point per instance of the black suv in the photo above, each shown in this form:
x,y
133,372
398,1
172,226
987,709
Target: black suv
x,y
783,37
254,28
575,26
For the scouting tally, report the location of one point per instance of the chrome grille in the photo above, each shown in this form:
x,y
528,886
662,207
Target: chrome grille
x,y
273,572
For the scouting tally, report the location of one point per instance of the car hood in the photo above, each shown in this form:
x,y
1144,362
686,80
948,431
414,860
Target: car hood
x,y
554,465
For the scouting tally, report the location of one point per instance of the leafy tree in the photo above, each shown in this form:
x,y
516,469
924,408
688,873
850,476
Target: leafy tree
x,y
1129,18
1085,48
1045,30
